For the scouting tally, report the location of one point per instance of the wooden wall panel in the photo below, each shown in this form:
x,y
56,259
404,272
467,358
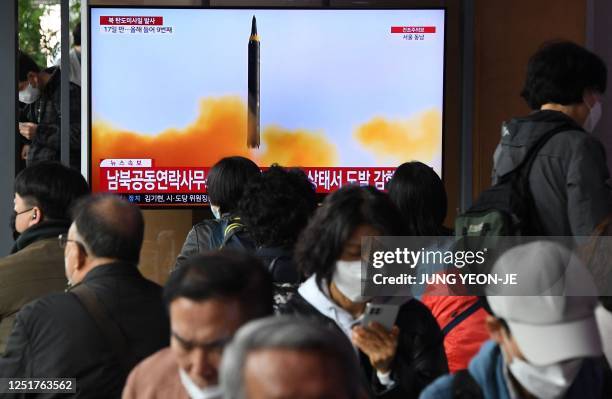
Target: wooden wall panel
x,y
506,34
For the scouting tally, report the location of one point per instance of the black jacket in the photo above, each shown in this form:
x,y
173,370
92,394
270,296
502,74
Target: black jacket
x,y
569,176
279,262
56,337
419,359
210,234
46,113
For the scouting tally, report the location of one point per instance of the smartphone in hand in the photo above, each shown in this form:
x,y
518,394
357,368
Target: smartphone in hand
x,y
383,314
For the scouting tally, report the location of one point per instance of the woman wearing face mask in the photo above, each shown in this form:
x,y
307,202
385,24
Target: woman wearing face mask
x,y
226,181
399,362
419,194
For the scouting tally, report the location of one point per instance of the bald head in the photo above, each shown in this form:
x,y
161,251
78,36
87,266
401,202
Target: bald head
x,y
110,227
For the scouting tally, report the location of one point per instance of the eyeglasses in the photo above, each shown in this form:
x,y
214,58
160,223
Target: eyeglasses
x,y
63,240
19,213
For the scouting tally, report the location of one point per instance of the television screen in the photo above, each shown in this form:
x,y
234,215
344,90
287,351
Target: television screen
x,y
346,95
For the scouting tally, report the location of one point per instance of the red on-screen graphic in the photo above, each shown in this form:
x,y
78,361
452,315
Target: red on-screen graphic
x,y
140,178
413,29
131,20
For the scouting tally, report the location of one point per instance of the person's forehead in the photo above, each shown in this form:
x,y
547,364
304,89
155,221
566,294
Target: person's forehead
x,y
288,373
205,320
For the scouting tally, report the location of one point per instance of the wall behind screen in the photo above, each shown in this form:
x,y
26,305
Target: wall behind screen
x,y
507,33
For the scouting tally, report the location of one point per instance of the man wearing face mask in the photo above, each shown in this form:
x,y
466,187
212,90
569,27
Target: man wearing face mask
x,y
545,342
563,87
110,319
40,119
35,267
209,298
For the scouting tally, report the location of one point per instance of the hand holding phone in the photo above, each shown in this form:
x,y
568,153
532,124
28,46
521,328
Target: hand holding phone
x,y
377,340
382,314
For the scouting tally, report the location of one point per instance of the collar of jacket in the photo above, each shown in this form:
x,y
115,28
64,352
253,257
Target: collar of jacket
x,y
113,269
487,368
319,298
40,231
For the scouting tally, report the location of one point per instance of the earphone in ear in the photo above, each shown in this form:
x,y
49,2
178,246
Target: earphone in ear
x,y
34,216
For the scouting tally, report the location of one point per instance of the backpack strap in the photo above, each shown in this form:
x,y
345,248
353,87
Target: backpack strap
x,y
465,386
107,326
527,163
519,179
470,310
230,230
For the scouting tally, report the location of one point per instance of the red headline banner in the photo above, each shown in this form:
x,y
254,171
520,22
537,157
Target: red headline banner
x,y
131,20
413,29
181,180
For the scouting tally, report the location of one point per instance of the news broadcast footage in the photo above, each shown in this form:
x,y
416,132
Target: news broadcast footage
x,y
347,95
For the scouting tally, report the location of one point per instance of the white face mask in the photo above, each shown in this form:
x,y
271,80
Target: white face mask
x,y
593,118
549,382
29,94
347,278
195,392
216,211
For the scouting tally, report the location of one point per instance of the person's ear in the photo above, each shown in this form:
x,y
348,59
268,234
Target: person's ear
x,y
37,216
495,329
81,257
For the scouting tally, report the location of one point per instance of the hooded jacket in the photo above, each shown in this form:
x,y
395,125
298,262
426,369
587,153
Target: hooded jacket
x,y
419,358
569,176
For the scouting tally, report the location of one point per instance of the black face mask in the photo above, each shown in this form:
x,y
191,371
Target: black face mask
x,y
12,226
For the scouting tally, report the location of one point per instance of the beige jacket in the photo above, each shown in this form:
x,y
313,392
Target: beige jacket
x,y
156,377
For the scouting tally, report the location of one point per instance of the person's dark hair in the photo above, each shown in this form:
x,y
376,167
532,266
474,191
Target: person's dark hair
x,y
560,72
277,206
110,227
606,302
26,64
52,187
226,275
76,34
227,180
323,241
419,194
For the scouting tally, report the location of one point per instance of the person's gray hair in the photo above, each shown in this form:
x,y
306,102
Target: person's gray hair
x,y
288,332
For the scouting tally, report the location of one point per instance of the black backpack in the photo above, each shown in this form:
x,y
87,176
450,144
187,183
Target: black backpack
x,y
507,208
236,236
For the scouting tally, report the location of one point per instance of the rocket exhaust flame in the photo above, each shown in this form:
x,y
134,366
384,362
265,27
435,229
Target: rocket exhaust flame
x,y
253,138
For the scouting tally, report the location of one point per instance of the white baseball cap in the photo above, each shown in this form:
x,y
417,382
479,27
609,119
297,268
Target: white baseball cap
x,y
551,311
